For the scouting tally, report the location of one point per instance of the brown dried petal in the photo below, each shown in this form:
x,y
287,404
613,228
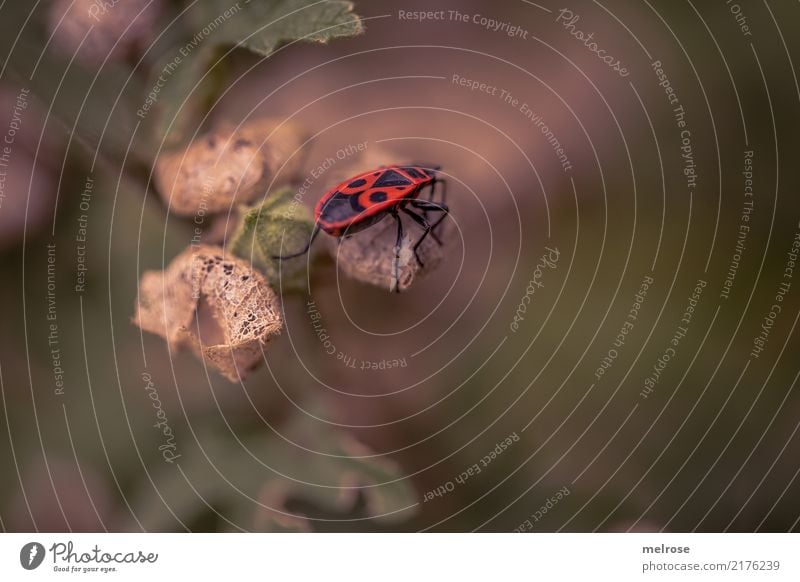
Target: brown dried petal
x,y
281,143
228,166
217,305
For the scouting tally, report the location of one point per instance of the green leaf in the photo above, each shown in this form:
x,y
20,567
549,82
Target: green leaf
x,y
278,226
262,25
191,75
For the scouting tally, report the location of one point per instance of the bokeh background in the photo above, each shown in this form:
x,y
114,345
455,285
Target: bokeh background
x,y
309,442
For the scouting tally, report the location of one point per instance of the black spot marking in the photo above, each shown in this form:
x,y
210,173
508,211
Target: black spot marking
x,y
357,183
341,206
355,202
391,178
379,196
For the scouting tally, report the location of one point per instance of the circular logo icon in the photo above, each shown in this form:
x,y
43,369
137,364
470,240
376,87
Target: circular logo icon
x,y
31,555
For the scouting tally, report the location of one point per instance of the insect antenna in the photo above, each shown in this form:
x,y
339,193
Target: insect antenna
x,y
305,249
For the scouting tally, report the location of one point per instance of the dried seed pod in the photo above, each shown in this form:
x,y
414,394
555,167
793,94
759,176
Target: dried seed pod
x,y
215,304
212,174
227,166
96,29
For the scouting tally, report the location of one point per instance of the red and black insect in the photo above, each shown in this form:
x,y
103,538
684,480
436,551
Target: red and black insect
x,y
367,198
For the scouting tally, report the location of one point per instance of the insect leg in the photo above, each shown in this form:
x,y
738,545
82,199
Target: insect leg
x,y
424,224
432,191
430,195
314,234
433,207
442,190
397,249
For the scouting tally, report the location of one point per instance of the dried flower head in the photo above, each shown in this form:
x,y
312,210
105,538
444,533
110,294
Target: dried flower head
x,y
227,166
370,256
